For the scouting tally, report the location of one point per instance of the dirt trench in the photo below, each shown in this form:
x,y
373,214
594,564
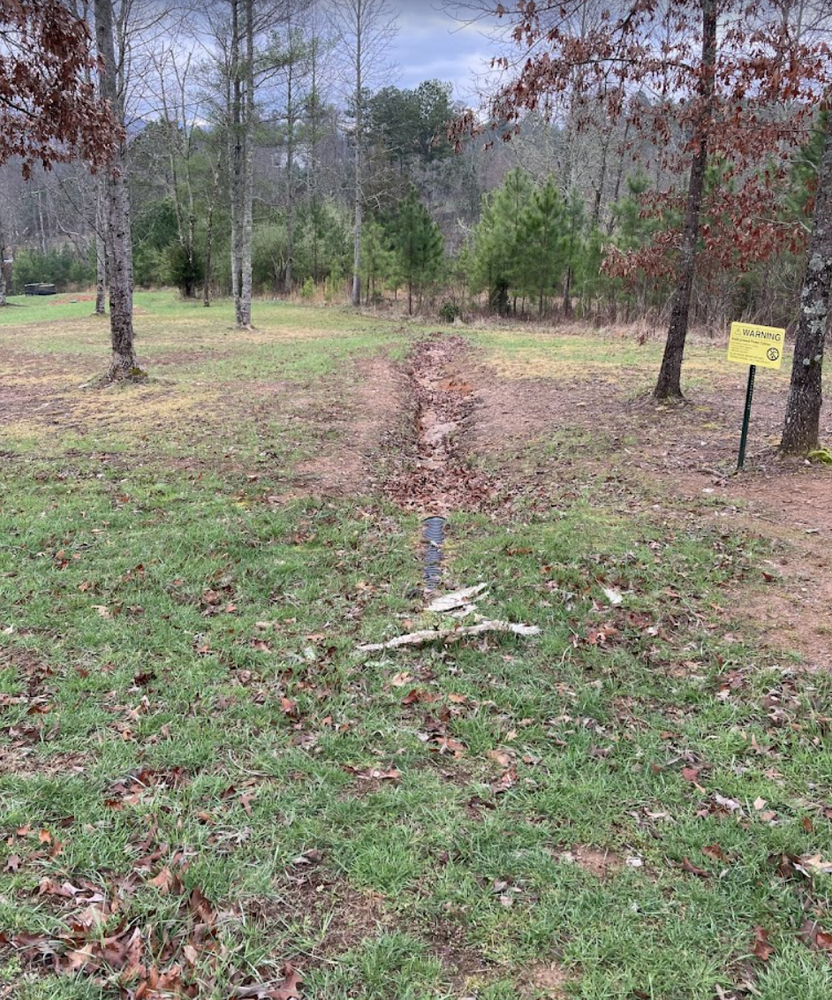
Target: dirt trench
x,y
436,479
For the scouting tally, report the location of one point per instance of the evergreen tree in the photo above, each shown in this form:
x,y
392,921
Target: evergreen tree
x,y
378,258
499,257
420,248
545,243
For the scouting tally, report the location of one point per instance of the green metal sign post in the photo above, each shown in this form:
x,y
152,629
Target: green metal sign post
x,y
754,345
749,395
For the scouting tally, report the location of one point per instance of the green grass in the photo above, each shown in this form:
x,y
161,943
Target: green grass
x,y
160,619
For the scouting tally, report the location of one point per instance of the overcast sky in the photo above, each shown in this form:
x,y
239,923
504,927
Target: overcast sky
x,y
431,44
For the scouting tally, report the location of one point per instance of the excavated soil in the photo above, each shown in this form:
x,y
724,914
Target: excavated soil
x,y
437,478
645,455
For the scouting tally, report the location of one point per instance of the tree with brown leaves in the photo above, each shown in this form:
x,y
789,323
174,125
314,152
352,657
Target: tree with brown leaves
x,y
49,110
736,80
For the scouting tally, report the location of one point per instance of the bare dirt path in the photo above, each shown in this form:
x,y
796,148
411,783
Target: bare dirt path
x,y
357,424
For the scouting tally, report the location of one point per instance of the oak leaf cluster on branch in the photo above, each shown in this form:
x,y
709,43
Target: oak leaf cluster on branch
x,y
49,110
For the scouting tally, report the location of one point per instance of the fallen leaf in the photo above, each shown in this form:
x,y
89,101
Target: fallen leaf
x,y
816,864
814,936
163,881
762,948
688,866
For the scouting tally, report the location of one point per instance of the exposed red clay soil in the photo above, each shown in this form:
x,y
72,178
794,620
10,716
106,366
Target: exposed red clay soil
x,y
548,980
654,452
596,860
439,479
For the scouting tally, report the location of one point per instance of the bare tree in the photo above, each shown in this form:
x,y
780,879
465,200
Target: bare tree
x,y
117,208
365,29
180,119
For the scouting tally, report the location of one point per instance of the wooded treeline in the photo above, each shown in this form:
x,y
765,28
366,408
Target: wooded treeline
x,y
657,161
551,223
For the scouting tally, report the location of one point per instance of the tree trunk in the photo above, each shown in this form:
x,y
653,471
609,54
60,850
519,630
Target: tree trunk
x,y
100,252
119,245
235,153
209,241
359,139
802,425
243,309
288,276
670,375
567,293
619,176
3,289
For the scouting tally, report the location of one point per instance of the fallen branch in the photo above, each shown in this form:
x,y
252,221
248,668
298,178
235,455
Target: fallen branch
x,y
450,635
457,599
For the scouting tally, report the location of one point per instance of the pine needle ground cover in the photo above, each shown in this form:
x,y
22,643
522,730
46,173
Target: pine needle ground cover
x,y
207,790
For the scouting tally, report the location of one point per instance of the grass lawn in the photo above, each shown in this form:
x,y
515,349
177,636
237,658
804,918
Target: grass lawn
x,y
203,780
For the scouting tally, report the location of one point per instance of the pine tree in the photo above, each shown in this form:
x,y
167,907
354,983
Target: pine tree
x,y
499,257
419,246
378,263
544,240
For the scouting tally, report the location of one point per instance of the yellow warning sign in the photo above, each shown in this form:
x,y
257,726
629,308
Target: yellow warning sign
x,y
751,344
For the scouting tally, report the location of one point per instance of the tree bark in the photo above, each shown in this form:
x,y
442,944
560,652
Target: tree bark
x,y
801,428
235,151
359,140
244,314
209,237
241,163
288,276
669,383
567,293
100,251
119,245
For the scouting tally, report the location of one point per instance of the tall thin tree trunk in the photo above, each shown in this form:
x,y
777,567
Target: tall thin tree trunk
x,y
209,238
359,140
43,243
669,383
119,246
247,191
235,153
3,288
802,424
619,176
288,276
567,292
